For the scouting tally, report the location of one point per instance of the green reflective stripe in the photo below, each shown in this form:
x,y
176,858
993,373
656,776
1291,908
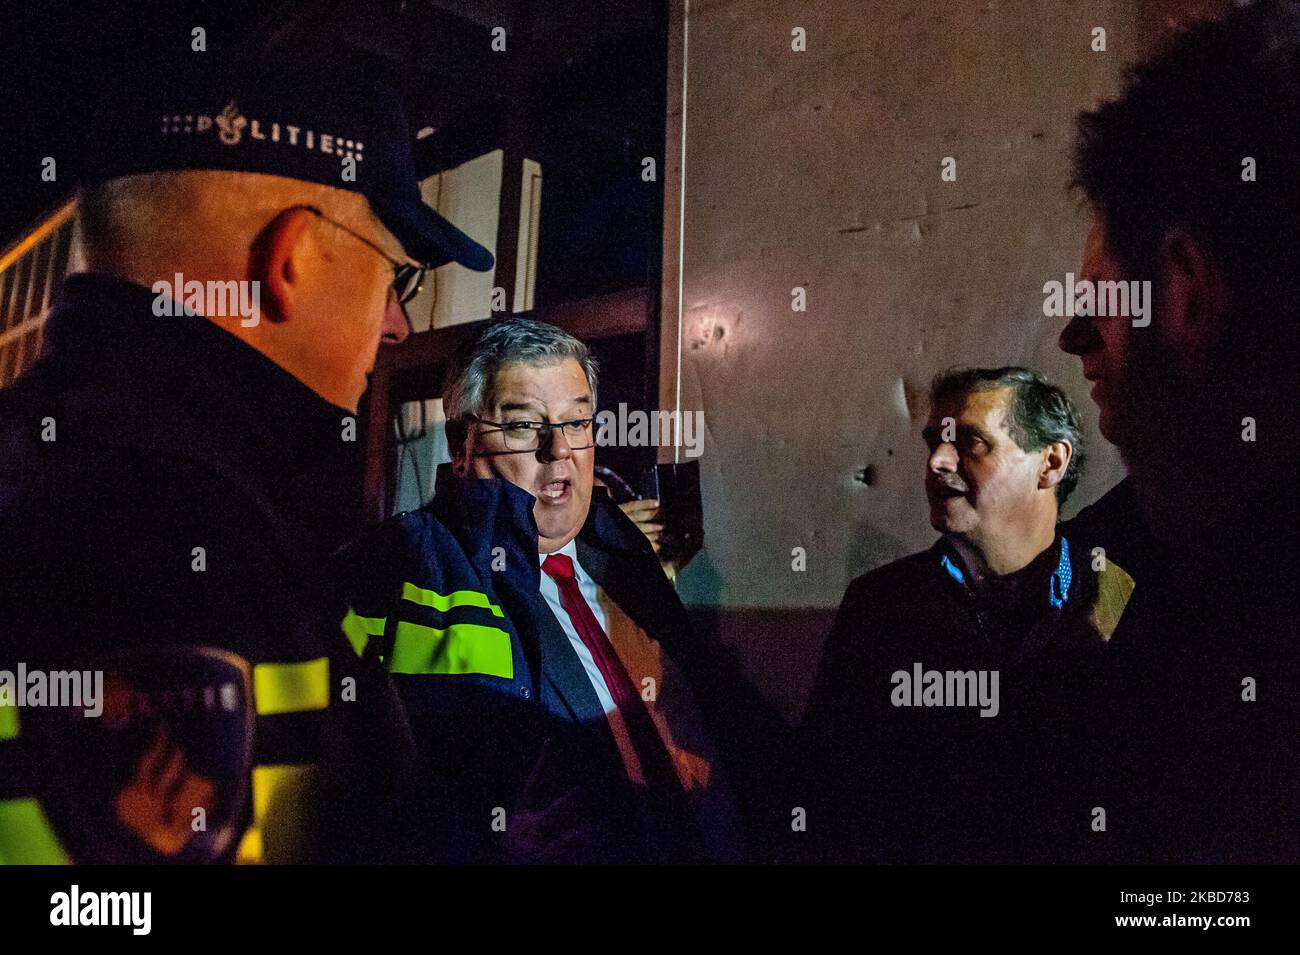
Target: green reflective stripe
x,y
457,598
291,687
359,629
461,648
8,722
25,835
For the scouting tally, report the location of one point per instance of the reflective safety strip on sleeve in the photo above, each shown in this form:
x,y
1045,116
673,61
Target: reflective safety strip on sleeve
x,y
359,629
250,848
457,598
461,648
281,807
25,835
291,687
8,721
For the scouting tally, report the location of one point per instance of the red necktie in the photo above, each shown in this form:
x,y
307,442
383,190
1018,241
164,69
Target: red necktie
x,y
560,569
657,767
645,738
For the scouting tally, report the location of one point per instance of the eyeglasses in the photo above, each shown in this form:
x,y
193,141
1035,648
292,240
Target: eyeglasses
x,y
527,435
408,277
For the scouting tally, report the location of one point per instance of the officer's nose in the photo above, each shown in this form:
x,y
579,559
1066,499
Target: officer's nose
x,y
397,324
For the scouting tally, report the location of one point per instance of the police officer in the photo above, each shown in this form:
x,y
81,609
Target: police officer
x,y
174,681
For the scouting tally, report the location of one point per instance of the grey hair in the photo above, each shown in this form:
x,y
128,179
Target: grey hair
x,y
162,213
468,387
1041,412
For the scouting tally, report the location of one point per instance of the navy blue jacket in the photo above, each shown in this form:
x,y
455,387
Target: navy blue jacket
x,y
449,596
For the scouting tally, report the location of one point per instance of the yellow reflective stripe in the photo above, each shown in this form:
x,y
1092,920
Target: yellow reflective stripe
x,y
359,629
457,598
291,687
271,783
8,721
461,648
25,835
281,790
250,848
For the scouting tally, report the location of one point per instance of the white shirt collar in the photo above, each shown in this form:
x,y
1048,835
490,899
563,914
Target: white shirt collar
x,y
569,550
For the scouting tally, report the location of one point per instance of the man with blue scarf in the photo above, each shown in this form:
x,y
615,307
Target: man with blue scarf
x,y
907,761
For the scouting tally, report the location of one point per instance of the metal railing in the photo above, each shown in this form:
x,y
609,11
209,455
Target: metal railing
x,y
30,272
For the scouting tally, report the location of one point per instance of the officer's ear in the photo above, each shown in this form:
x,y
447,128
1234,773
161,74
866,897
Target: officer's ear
x,y
277,261
1193,297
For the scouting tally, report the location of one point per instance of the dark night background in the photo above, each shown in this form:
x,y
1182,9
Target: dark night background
x,y
57,61
582,92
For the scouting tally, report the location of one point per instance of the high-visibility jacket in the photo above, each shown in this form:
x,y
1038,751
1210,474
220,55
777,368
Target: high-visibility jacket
x,y
168,496
499,703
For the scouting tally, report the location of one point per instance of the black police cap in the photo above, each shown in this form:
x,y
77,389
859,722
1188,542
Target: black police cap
x,y
280,122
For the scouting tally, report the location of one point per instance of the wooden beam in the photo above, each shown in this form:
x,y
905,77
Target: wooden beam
x,y
588,319
514,148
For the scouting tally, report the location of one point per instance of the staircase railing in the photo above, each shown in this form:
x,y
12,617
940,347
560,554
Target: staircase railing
x,y
30,272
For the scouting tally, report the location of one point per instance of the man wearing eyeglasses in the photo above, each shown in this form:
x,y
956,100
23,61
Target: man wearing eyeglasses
x,y
545,660
173,479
